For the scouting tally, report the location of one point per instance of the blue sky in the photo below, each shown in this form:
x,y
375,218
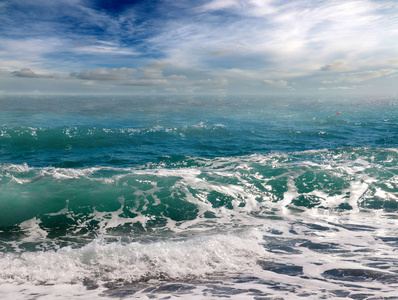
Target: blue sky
x,y
199,46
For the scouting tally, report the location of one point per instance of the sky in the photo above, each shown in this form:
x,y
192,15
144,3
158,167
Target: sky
x,y
296,47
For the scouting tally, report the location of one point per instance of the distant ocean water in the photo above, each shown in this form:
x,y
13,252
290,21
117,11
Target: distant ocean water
x,y
198,197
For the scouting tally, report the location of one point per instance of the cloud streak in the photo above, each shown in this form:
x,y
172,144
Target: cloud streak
x,y
104,74
261,44
282,84
361,76
337,66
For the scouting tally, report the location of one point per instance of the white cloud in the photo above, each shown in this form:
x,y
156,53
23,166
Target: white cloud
x,y
151,74
83,42
339,88
255,8
242,74
104,49
144,77
337,66
97,85
10,64
90,83
298,36
177,77
19,53
393,62
221,53
361,76
153,77
158,64
212,82
191,89
219,4
104,74
147,82
50,38
278,83
233,42
344,87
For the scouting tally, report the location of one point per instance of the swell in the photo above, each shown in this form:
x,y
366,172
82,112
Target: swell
x,y
67,137
82,146
70,146
183,190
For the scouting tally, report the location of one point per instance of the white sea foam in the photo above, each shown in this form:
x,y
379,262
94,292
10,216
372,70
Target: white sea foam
x,y
195,257
48,292
240,180
235,264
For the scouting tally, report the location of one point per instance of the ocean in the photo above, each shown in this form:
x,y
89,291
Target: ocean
x,y
198,197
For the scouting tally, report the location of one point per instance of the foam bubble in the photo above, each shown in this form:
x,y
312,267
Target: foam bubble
x,y
100,261
233,191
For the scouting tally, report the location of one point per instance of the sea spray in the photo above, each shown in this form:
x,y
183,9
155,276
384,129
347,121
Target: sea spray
x,y
122,261
198,197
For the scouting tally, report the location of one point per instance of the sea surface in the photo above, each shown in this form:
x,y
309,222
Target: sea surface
x,y
212,197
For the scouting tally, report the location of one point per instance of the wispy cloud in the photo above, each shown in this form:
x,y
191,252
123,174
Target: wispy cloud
x,y
337,66
297,37
212,82
147,82
151,74
177,77
28,52
361,76
339,88
278,83
118,77
393,62
256,8
104,74
103,48
221,53
209,43
158,64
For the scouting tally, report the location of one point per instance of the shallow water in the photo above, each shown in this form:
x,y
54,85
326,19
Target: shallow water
x,y
176,197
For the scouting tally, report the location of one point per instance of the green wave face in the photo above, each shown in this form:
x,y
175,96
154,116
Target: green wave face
x,y
181,190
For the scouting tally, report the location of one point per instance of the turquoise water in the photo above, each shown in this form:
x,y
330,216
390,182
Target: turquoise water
x,y
78,132
118,191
